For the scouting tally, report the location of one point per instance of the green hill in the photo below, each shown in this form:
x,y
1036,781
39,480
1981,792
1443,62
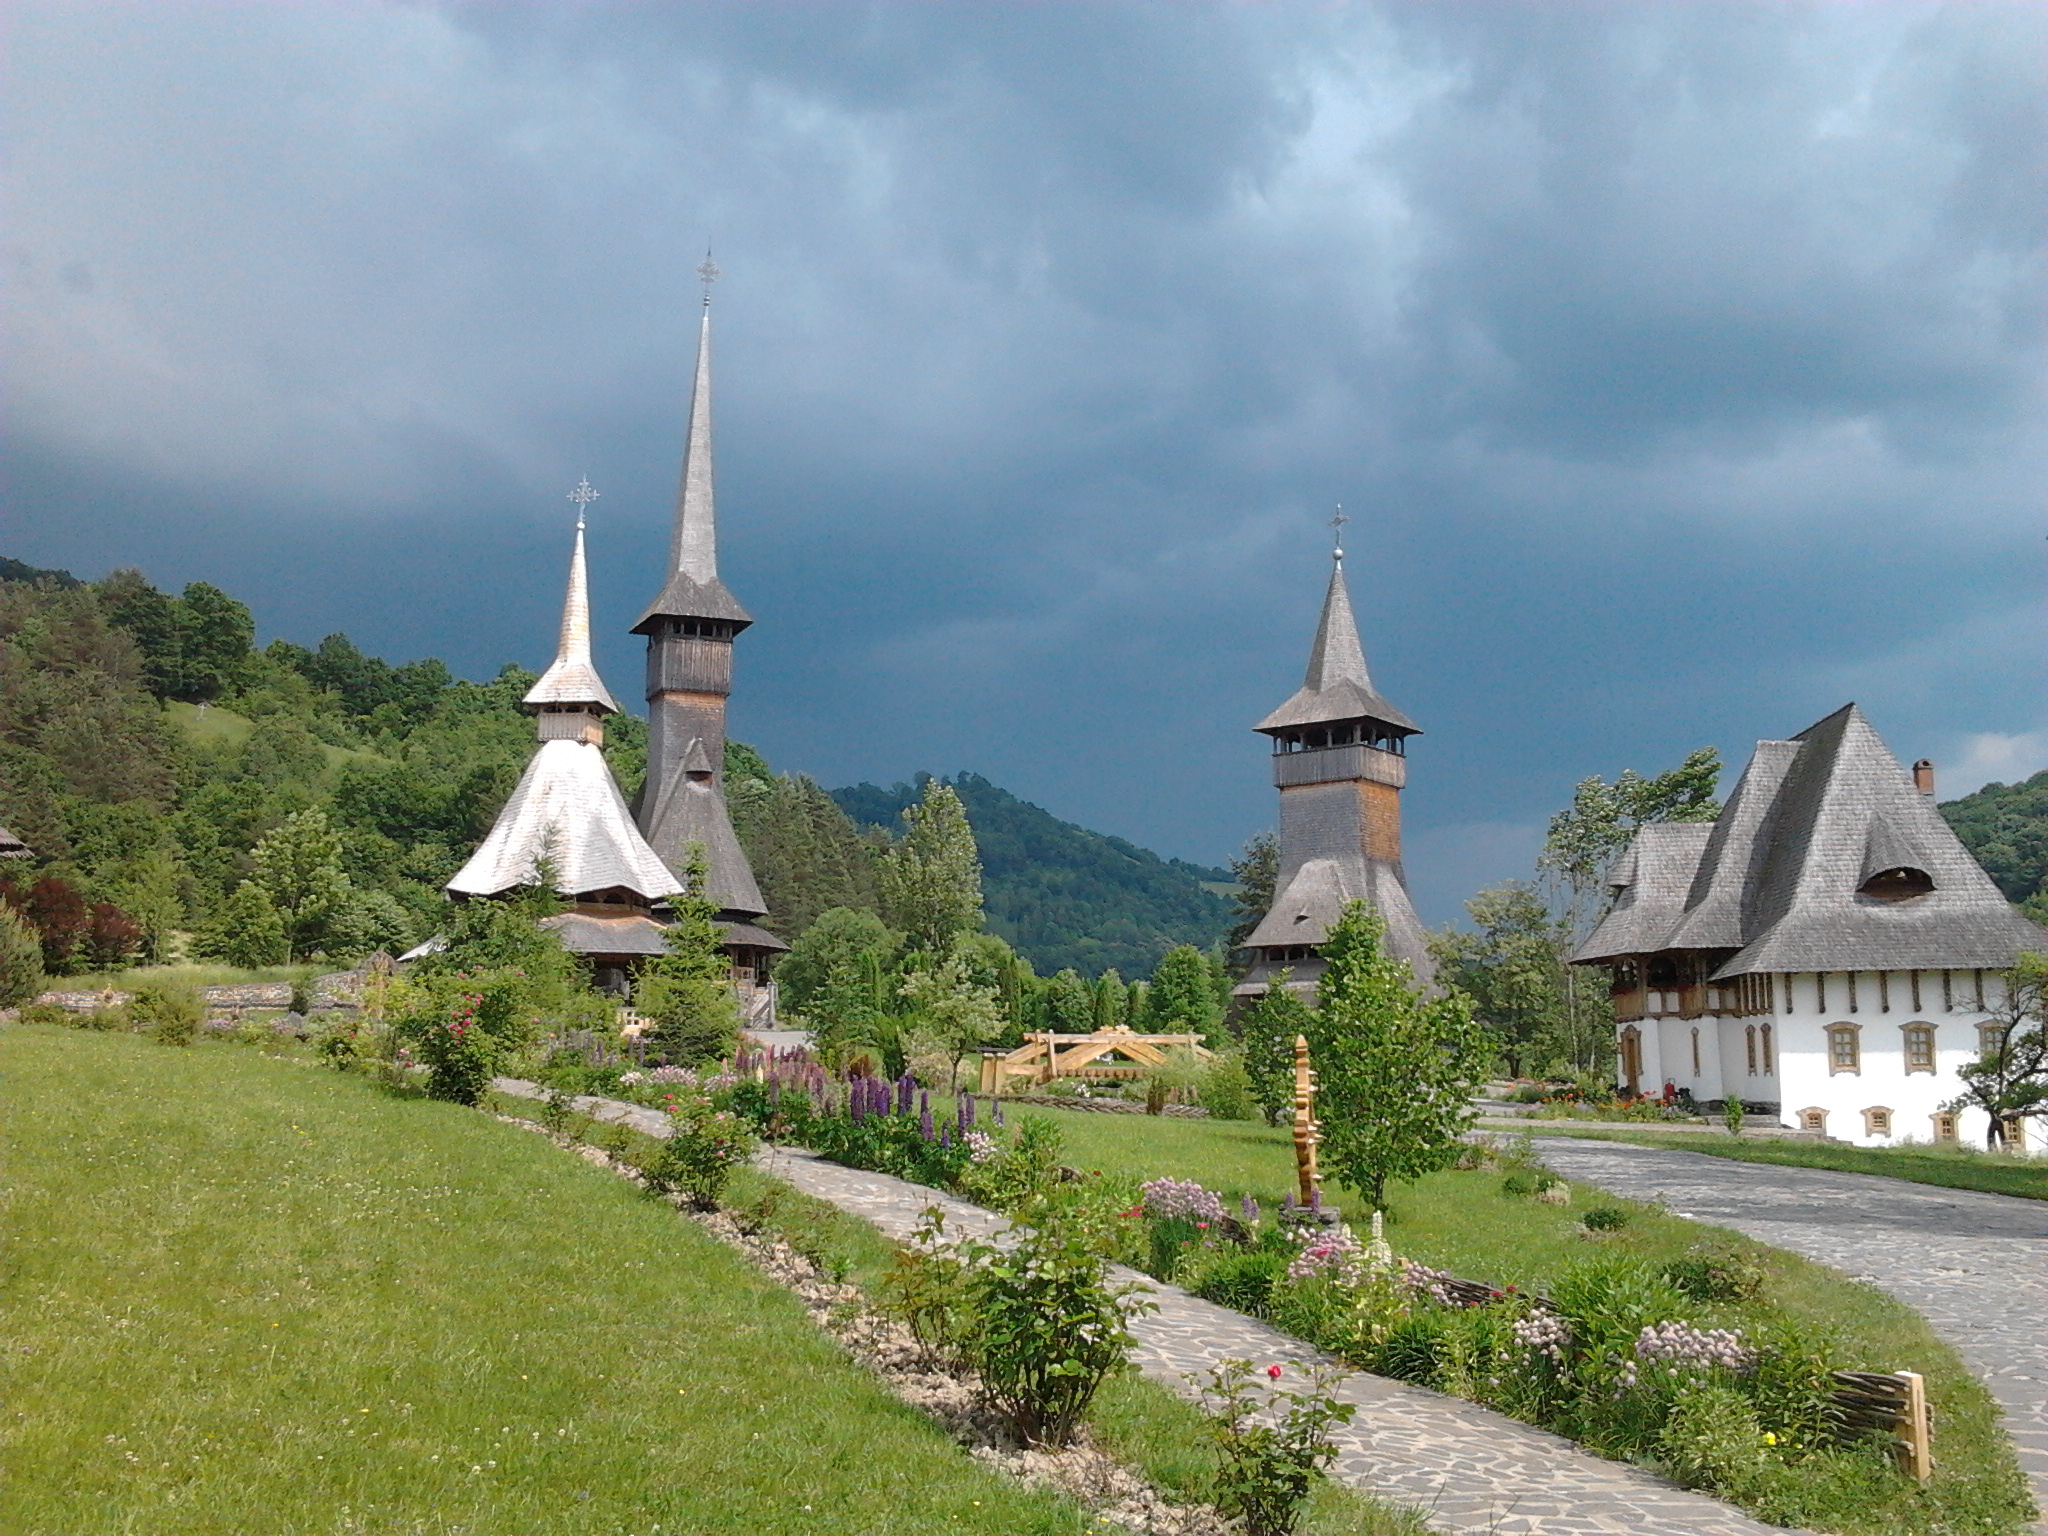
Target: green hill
x,y
1062,895
2006,827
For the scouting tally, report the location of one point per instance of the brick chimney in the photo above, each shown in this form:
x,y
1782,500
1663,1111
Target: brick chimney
x,y
1923,776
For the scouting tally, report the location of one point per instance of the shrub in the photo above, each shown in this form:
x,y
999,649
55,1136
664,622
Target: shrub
x,y
1022,1173
1412,1349
104,1019
1711,1439
1711,1275
922,1289
1172,1238
1267,1461
459,1053
701,1153
1225,1088
1610,1300
1048,1327
169,1011
1521,1182
21,959
45,1013
1241,1278
1605,1218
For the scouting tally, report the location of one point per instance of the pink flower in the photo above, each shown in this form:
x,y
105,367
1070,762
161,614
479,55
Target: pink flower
x,y
1273,1371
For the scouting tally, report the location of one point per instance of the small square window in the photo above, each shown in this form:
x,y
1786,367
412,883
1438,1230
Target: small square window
x,y
1877,1122
1813,1120
1945,1127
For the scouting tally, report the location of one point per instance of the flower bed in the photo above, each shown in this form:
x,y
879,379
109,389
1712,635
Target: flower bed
x,y
1665,1366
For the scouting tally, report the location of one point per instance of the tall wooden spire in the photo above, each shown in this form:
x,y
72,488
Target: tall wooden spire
x,y
1339,762
690,628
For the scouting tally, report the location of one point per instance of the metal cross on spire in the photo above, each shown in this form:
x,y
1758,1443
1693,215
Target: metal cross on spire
x,y
583,496
1337,533
710,274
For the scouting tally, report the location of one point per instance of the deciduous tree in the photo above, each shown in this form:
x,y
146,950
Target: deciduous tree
x,y
2010,1077
1395,1069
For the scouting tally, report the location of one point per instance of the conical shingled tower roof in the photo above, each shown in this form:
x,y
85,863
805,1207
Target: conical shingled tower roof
x,y
567,806
572,678
693,590
1337,686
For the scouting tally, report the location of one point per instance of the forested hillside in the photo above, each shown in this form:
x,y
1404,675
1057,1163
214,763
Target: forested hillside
x,y
173,779
1062,895
2006,827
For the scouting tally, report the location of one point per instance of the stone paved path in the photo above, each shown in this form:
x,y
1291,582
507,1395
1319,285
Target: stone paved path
x,y
1466,1468
1974,1265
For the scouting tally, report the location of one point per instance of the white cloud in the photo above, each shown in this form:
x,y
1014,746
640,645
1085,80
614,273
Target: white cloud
x,y
1991,757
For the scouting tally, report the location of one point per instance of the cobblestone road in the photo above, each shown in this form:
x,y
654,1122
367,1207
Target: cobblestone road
x,y
1467,1469
1974,1265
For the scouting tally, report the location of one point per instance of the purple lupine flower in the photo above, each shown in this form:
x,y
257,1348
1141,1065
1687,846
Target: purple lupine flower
x,y
924,1123
924,1102
906,1090
1248,1211
945,1137
995,1112
1315,1199
966,1112
856,1103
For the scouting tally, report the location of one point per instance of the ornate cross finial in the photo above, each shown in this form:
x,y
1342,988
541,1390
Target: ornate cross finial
x,y
583,496
1337,535
710,274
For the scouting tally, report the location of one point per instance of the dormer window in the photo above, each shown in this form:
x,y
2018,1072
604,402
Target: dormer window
x,y
1901,883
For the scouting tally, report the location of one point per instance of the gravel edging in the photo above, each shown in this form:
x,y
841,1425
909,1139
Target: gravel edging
x,y
1092,1477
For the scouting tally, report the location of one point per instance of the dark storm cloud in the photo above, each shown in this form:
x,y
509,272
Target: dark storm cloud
x,y
1681,362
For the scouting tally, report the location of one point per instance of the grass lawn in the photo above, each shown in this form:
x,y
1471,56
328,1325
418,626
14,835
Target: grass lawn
x,y
1951,1167
247,1294
1461,1221
1137,1420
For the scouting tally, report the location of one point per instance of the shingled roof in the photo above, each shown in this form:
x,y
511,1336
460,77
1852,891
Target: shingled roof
x,y
1313,898
572,678
693,590
1337,686
692,810
1779,879
568,806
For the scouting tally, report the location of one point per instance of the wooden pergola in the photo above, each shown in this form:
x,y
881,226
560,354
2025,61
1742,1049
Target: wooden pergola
x,y
1046,1056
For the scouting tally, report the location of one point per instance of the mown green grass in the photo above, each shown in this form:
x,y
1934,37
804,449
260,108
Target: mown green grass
x,y
1135,1419
1462,1221
247,1294
1951,1167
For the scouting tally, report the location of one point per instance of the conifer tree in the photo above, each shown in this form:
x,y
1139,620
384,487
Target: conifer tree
x,y
686,992
931,878
1108,1000
21,959
1394,1069
1182,997
1068,1007
1267,1030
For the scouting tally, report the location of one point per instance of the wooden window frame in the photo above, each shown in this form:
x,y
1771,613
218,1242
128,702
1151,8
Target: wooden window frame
x,y
1945,1125
1877,1121
1768,1044
1853,1033
1813,1118
1749,1045
1907,1032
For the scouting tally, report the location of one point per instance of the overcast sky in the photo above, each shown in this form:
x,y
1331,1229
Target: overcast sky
x,y
1681,366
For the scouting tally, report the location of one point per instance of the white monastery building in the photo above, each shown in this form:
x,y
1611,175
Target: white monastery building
x,y
1827,951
